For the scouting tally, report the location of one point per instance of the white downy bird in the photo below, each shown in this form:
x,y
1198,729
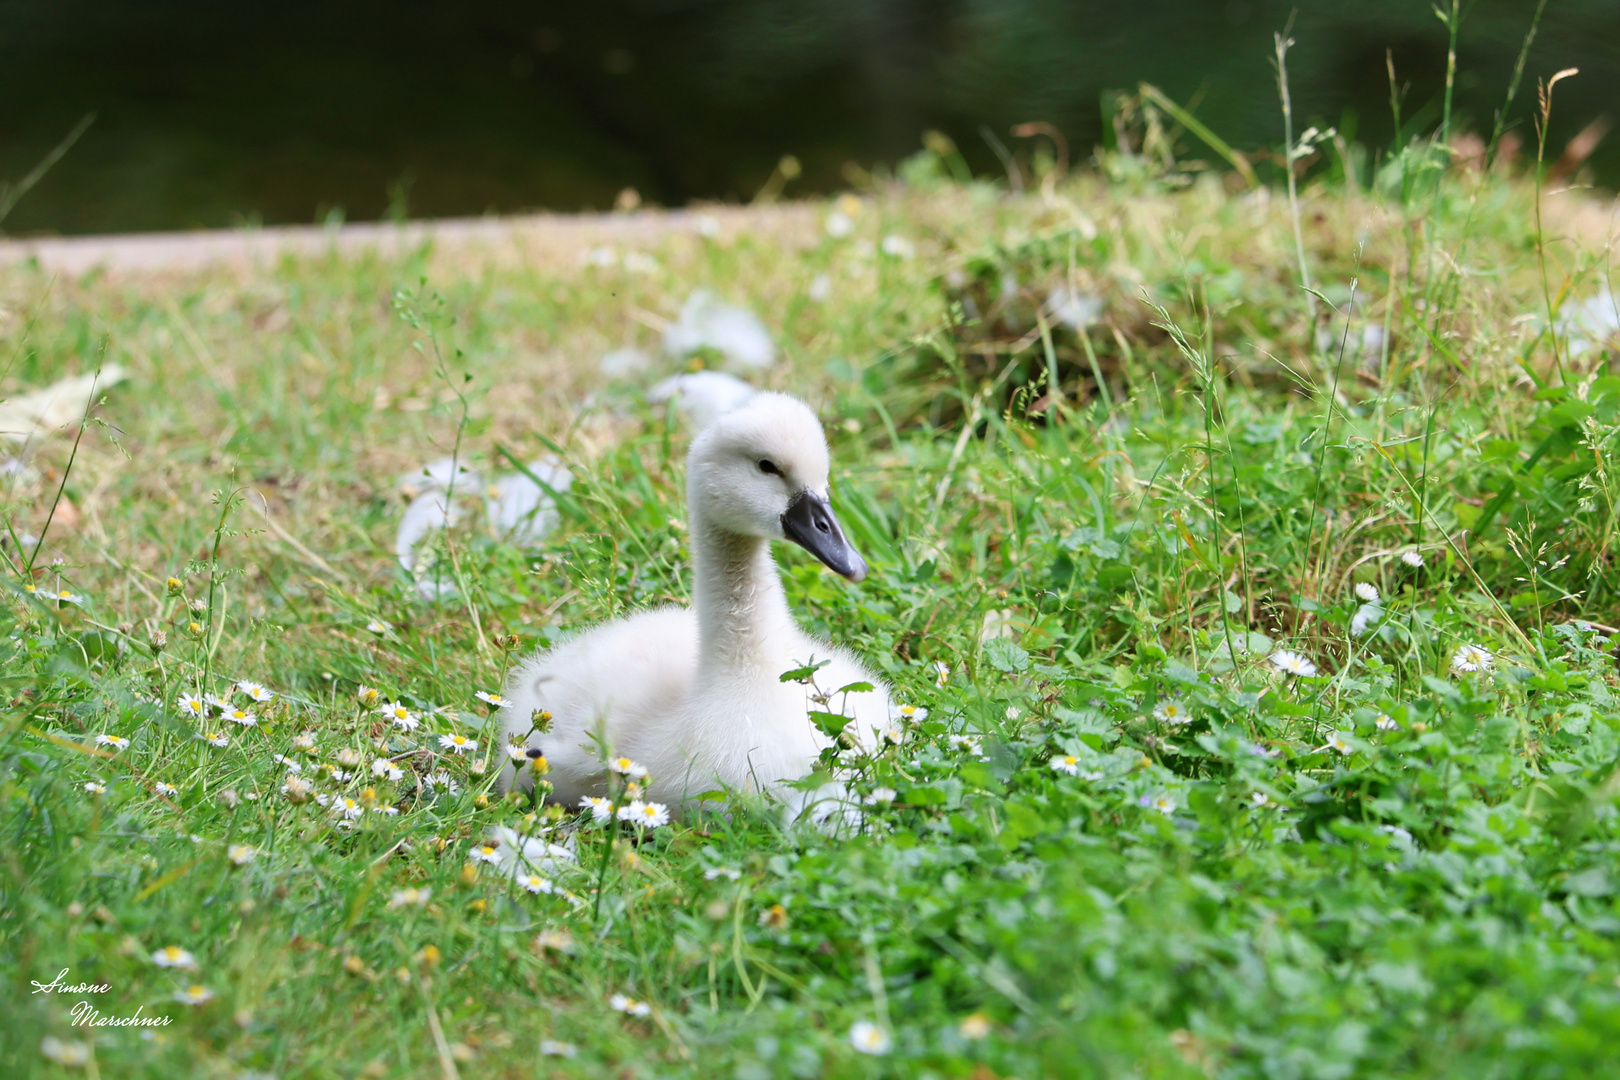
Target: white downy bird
x,y
694,695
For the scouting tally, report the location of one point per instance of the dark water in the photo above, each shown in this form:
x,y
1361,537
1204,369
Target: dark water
x,y
218,114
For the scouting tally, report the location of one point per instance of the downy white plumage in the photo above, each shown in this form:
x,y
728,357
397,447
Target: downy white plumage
x,y
695,694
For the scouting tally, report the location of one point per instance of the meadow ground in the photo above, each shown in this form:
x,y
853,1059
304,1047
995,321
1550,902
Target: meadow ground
x,y
1266,720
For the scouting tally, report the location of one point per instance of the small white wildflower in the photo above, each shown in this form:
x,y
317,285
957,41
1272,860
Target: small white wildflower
x,y
1367,591
401,716
216,702
386,769
1068,763
1338,742
557,1048
601,809
488,698
377,626
629,1005
625,767
304,741
1412,557
411,897
75,1055
485,853
69,597
1472,658
714,873
479,766
1164,804
254,691
192,705
965,743
1292,663
117,742
287,763
367,696
881,796
441,779
241,716
173,956
241,854
1172,712
165,789
348,756
296,789
942,673
95,787
898,247
214,738
458,744
974,1026
839,224
517,752
867,1038
1259,798
534,883
1385,722
195,994
345,807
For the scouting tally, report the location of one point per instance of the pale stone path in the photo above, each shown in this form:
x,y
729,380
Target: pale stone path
x,y
547,237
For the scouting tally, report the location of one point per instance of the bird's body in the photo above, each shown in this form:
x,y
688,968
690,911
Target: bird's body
x,y
695,695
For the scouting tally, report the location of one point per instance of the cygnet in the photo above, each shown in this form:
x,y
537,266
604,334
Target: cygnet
x,y
694,695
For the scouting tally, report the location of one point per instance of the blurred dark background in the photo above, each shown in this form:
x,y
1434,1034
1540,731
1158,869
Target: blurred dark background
x,y
221,114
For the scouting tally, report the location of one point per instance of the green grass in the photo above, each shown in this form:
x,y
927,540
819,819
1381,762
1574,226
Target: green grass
x,y
1278,887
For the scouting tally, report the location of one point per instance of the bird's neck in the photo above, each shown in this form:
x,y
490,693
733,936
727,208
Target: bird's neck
x,y
743,618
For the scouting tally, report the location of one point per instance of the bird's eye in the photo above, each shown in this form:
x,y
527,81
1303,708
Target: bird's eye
x,y
768,467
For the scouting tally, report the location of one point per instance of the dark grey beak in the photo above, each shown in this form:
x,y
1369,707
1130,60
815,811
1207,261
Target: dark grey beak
x,y
809,522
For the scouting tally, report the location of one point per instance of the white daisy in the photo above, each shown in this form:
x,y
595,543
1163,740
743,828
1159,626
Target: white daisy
x,y
195,994
173,956
165,789
117,742
342,806
1164,804
241,716
348,756
215,738
401,716
441,779
192,705
867,1038
382,767
1385,722
1172,712
629,1005
625,767
1068,763
485,853
488,698
254,691
1259,798
241,854
881,796
1292,663
1336,741
458,744
517,752
1412,557
367,696
304,741
377,626
69,597
965,743
411,897
942,673
601,809
217,702
534,883
288,763
95,787
1367,591
1472,658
